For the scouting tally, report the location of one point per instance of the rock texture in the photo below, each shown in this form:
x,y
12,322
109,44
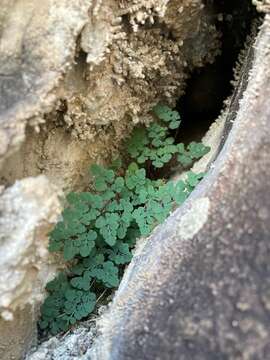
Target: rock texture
x,y
23,248
27,210
37,45
72,345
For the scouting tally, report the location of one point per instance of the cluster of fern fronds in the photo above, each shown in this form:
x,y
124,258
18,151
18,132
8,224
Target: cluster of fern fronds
x,y
99,228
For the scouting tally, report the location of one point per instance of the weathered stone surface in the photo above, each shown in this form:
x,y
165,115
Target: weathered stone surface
x,y
24,207
18,336
199,288
37,46
73,345
27,210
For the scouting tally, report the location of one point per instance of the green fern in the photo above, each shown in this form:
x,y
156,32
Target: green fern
x,y
99,228
65,305
155,145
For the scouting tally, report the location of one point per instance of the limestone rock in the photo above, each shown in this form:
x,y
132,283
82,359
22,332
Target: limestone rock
x,y
27,210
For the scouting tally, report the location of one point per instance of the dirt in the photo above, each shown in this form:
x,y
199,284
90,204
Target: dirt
x,y
129,56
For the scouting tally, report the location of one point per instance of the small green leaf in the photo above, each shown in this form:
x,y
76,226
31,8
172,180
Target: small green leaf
x,y
116,164
120,254
174,125
55,246
82,282
185,160
166,114
197,150
108,274
100,185
70,250
158,164
118,185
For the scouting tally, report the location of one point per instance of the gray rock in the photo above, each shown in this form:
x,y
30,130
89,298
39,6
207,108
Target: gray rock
x,y
71,346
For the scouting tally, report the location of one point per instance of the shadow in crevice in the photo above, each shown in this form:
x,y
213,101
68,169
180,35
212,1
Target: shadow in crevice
x,y
208,87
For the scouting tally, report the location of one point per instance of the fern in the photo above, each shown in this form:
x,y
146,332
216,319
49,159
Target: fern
x,y
155,145
65,305
99,228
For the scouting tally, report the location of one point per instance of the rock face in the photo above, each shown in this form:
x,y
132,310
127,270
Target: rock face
x,y
27,210
75,77
37,45
73,345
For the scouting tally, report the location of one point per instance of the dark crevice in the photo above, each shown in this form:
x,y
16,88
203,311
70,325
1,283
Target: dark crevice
x,y
208,87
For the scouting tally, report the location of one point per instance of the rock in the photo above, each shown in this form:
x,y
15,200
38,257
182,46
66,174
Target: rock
x,y
72,345
27,210
37,47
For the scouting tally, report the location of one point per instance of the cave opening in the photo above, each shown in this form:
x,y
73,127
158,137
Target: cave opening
x,y
208,87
